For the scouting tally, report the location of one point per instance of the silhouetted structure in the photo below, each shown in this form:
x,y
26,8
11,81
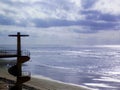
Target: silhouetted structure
x,y
22,56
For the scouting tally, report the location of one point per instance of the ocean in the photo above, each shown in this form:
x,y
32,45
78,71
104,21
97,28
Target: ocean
x,y
97,67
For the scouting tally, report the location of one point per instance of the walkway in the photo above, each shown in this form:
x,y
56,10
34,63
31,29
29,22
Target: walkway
x,y
12,53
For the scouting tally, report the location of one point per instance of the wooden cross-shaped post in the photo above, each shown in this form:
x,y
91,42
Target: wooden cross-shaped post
x,y
18,42
19,65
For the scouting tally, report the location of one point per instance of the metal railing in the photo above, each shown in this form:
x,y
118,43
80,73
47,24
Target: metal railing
x,y
25,53
26,73
4,52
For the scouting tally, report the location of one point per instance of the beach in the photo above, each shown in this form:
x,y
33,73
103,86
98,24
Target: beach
x,y
41,83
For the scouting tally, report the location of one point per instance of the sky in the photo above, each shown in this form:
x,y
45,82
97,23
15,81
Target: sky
x,y
61,22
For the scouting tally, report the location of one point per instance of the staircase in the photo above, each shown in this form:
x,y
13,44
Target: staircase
x,y
22,57
16,71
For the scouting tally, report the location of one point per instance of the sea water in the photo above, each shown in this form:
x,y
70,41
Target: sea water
x,y
97,67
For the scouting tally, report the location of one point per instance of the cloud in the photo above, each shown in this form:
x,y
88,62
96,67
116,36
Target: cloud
x,y
61,13
107,7
23,12
67,36
61,36
95,15
87,4
41,9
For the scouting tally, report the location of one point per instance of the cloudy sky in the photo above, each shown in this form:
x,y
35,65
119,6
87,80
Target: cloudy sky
x,y
61,22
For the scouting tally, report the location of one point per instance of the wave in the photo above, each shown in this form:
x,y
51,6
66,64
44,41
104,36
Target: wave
x,y
60,68
101,85
76,53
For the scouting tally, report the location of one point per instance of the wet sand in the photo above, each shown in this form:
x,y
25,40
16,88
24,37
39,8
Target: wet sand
x,y
43,83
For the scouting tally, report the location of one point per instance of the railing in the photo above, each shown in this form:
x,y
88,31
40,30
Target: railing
x,y
25,53
8,52
13,52
26,73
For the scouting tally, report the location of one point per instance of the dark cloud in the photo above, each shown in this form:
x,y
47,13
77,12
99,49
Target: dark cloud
x,y
109,18
98,21
84,30
14,3
95,15
7,2
53,23
88,3
91,24
6,20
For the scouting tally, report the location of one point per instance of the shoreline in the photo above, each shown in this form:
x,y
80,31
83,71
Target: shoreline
x,y
42,83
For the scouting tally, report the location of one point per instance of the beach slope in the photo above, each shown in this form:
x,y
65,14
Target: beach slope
x,y
43,83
